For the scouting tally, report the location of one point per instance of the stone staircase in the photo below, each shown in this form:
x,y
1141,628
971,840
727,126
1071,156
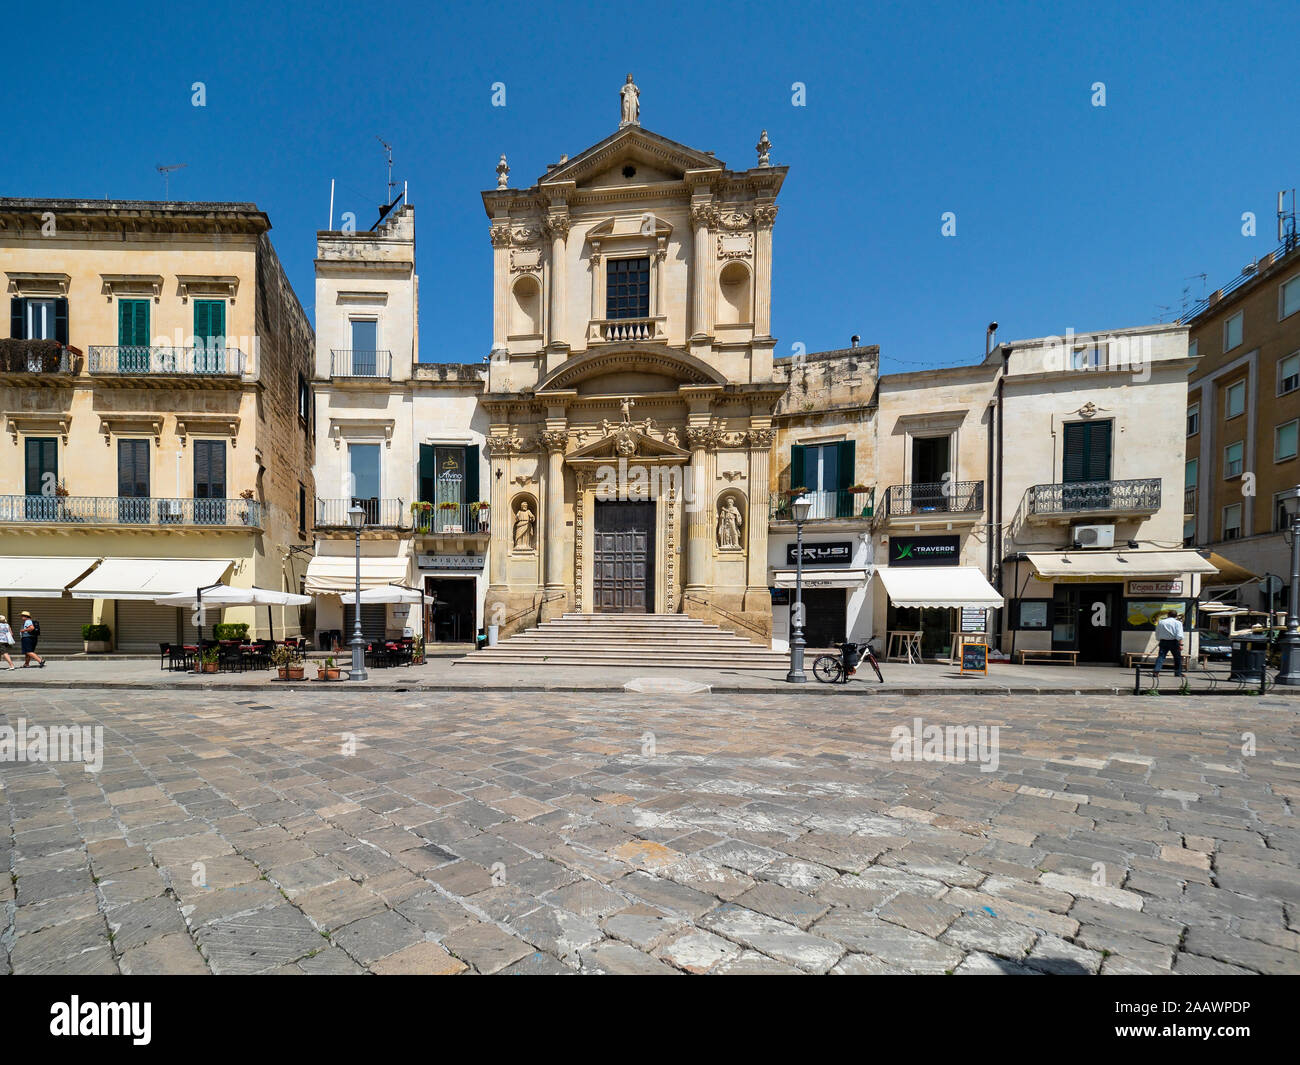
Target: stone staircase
x,y
650,641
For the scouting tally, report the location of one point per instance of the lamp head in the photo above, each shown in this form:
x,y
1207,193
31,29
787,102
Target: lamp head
x,y
356,516
800,508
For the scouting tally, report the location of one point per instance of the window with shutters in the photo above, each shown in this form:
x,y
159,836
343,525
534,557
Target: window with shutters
x,y
448,478
209,482
133,336
1284,441
627,288
38,319
1234,400
209,336
1232,331
1233,459
1288,374
41,477
1193,419
1232,522
825,473
133,504
1086,466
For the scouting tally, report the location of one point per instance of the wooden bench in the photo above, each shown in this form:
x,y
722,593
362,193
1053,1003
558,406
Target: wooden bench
x,y
1051,656
1147,658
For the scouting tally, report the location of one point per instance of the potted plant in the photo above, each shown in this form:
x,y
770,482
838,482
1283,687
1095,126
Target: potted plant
x,y
97,639
417,651
329,671
481,511
209,660
288,660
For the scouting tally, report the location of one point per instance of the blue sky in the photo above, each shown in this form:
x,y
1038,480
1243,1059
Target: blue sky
x,y
1068,215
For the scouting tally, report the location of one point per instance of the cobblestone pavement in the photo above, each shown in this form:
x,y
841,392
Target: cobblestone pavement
x,y
232,833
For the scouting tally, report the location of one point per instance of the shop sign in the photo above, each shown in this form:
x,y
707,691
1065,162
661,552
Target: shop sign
x,y
924,550
449,561
972,619
1170,587
836,553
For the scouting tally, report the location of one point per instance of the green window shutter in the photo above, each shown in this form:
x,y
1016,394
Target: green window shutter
x,y
426,473
133,323
1073,461
1087,452
798,467
17,315
846,471
1098,465
125,323
209,319
61,320
471,474
200,320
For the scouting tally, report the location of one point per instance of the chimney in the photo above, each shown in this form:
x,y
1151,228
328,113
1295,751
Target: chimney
x,y
853,340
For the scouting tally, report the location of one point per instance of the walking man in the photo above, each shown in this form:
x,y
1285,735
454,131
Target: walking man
x,y
1169,636
31,633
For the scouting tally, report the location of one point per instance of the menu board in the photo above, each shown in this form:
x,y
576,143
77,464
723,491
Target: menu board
x,y
975,658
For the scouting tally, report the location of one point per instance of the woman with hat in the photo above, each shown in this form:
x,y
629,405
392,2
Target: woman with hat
x,y
6,640
30,634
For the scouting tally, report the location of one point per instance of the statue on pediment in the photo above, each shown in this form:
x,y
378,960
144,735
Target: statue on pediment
x,y
631,104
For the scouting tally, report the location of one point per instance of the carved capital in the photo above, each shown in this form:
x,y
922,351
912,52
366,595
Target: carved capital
x,y
704,214
765,215
761,438
705,436
555,440
500,233
557,225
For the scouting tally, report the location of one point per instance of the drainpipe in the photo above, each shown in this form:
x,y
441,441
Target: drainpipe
x,y
1002,378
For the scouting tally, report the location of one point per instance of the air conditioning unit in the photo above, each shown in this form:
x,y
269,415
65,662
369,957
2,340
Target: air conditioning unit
x,y
1093,535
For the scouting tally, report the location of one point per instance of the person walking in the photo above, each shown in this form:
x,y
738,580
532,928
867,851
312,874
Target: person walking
x,y
31,634
6,640
1169,638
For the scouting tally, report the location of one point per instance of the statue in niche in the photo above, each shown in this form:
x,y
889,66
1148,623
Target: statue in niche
x,y
525,531
731,523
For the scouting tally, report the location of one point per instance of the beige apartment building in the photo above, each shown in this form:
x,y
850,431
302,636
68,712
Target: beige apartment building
x,y
1243,423
399,439
157,432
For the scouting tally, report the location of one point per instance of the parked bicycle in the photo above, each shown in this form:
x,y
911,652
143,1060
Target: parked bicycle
x,y
837,669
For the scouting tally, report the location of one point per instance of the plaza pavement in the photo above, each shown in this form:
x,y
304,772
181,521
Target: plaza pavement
x,y
486,832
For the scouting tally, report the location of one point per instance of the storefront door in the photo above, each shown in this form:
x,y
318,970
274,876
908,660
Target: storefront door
x,y
825,616
935,623
1085,618
450,618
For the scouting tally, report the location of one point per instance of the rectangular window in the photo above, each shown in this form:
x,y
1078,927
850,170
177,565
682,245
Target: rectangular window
x,y
1232,460
133,336
133,502
38,319
1088,358
1194,349
363,465
209,482
41,477
1232,331
1234,399
1087,452
1284,441
1189,473
627,288
1189,532
1289,297
1193,419
1232,522
365,342
1281,523
302,508
1288,373
825,473
210,336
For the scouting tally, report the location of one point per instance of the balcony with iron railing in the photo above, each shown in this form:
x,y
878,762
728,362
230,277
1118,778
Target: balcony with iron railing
x,y
379,513
841,505
38,359
1073,500
1189,501
146,362
451,519
940,501
148,511
355,363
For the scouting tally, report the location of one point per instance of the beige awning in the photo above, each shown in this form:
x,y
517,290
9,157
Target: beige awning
x,y
938,586
821,578
1228,571
1118,565
335,574
149,578
41,578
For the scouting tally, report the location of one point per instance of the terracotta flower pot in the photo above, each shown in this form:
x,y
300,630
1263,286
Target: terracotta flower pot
x,y
329,674
209,667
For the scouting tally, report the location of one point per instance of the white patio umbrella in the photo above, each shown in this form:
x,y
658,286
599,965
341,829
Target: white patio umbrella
x,y
225,595
391,593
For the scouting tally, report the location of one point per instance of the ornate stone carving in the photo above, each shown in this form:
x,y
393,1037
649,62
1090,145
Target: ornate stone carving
x,y
731,439
764,149
704,214
731,475
765,214
734,219
705,436
555,440
735,245
514,444
523,530
523,236
557,225
500,233
629,104
731,525
761,437
503,173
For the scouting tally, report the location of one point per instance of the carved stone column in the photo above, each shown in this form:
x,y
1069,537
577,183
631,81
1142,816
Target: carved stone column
x,y
760,458
498,448
764,218
699,529
555,441
500,233
702,215
557,226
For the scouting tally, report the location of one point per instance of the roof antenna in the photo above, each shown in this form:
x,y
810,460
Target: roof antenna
x,y
393,201
165,171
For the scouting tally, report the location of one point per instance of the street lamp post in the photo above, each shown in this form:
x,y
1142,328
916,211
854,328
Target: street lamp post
x,y
357,519
1290,641
800,507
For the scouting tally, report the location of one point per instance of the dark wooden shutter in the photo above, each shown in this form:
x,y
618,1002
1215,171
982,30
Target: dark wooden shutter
x,y
471,474
61,320
798,467
133,468
1087,452
202,469
426,473
42,457
843,497
209,469
17,318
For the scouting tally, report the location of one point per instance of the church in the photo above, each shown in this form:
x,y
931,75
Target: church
x,y
630,387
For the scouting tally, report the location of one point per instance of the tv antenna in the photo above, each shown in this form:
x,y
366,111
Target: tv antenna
x,y
388,148
1286,233
392,201
165,171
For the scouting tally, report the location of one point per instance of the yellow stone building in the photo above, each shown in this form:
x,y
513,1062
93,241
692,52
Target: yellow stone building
x,y
155,413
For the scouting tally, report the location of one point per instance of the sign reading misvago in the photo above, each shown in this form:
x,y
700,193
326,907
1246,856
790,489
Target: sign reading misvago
x,y
632,346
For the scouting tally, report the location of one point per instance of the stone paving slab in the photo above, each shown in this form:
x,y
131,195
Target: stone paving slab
x,y
767,832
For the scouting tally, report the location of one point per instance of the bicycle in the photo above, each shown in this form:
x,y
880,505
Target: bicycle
x,y
837,669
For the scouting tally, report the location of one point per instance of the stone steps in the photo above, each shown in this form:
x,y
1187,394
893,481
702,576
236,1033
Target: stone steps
x,y
649,640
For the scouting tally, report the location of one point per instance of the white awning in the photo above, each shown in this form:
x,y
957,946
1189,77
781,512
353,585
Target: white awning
x,y
41,578
952,586
392,593
149,578
1119,565
224,595
335,574
821,578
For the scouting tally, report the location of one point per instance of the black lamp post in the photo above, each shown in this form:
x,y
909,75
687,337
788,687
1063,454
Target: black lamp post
x,y
800,508
357,519
1290,641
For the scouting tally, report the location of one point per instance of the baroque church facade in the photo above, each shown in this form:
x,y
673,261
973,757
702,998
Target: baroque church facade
x,y
630,387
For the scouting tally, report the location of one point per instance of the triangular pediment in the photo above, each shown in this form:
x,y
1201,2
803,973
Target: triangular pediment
x,y
624,440
655,159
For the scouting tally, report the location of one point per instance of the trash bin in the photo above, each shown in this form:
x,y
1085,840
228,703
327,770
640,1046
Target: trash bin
x,y
492,632
1249,654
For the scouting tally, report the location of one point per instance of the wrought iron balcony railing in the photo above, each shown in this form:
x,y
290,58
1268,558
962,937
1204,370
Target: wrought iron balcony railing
x,y
44,357
938,497
380,513
433,519
826,506
130,510
350,362
1189,500
1119,497
206,361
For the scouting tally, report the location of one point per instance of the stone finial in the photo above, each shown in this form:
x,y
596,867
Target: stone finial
x,y
764,149
631,104
503,173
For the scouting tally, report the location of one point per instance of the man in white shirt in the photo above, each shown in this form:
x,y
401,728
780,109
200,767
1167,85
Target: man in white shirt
x,y
1169,636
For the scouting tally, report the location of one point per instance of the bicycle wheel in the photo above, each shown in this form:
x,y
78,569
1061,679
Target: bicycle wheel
x,y
876,666
827,669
